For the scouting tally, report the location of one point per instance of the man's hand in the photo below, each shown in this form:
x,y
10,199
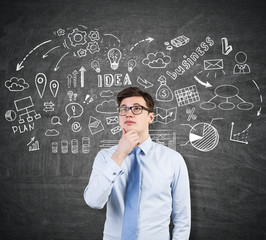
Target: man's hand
x,y
126,144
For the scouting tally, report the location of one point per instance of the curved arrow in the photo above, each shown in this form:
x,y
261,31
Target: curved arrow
x,y
19,65
149,39
207,84
46,54
56,66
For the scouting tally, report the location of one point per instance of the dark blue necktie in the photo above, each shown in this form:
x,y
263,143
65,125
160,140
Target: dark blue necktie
x,y
129,229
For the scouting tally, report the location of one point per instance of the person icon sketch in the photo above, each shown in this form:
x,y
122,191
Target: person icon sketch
x,y
241,67
143,183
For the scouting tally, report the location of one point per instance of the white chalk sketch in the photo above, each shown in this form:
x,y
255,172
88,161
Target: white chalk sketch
x,y
51,133
116,130
33,146
93,47
203,136
191,114
114,56
94,35
179,41
240,137
205,84
112,120
173,75
10,115
77,37
76,127
55,120
164,93
95,125
131,64
107,93
40,82
108,80
107,107
226,92
168,46
149,39
54,147
95,65
88,99
74,146
48,106
73,110
187,95
70,95
20,65
213,64
82,71
15,84
165,116
26,105
156,60
241,67
85,145
54,86
60,59
164,137
144,83
226,48
64,146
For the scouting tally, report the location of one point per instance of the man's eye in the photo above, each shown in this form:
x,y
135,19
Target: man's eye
x,y
137,108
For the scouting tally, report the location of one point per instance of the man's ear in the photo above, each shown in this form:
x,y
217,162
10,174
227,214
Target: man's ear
x,y
151,116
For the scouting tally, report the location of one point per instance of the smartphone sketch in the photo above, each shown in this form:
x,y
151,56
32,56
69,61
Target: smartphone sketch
x,y
54,147
74,146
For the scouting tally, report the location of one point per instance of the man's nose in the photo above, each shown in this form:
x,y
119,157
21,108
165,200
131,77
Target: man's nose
x,y
129,113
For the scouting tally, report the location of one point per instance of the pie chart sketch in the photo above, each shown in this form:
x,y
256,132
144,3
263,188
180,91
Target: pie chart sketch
x,y
203,136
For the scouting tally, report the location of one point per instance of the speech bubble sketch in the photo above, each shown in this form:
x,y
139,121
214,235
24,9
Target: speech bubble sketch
x,y
73,110
54,86
40,83
156,60
107,107
15,84
241,67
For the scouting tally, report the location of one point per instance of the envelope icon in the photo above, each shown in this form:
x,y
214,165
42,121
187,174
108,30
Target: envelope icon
x,y
213,64
116,129
95,125
112,120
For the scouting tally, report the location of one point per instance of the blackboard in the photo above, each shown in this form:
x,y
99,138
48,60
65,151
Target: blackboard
x,y
202,61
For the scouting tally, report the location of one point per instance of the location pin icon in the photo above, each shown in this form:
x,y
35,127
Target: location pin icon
x,y
40,82
54,86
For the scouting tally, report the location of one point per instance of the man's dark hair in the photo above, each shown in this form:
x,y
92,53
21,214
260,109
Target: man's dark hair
x,y
135,92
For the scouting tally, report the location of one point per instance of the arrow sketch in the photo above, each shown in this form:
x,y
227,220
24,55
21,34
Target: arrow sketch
x,y
19,65
56,66
149,39
207,84
46,54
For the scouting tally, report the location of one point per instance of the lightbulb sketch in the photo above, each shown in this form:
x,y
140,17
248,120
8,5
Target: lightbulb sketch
x,y
95,65
203,136
226,92
131,64
240,137
114,56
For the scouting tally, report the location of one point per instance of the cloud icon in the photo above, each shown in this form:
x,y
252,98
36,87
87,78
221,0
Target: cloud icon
x,y
16,84
51,132
109,107
157,60
106,93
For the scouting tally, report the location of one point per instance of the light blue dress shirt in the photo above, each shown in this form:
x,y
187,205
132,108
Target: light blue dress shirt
x,y
164,190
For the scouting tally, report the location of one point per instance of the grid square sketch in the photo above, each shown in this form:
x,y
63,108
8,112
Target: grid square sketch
x,y
187,95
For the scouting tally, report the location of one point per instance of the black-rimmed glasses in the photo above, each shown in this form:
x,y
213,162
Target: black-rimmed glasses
x,y
136,110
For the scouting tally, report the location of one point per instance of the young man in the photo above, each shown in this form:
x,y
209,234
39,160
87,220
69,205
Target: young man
x,y
162,187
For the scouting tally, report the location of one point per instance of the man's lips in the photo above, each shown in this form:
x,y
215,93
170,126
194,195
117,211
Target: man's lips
x,y
129,122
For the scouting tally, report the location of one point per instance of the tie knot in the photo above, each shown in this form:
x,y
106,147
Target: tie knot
x,y
137,150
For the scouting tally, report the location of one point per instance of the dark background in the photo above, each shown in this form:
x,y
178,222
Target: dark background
x,y
41,193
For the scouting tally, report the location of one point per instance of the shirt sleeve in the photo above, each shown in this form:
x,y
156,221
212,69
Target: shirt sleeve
x,y
104,173
181,212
